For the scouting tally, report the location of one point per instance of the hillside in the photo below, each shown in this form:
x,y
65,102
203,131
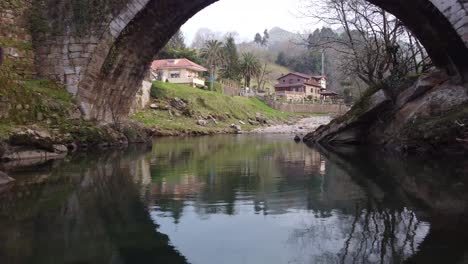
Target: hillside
x,y
275,72
179,109
278,34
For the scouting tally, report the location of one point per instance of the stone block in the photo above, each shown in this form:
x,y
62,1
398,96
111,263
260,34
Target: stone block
x,y
69,70
75,48
74,55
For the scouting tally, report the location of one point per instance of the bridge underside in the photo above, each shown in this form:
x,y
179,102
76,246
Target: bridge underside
x,y
104,65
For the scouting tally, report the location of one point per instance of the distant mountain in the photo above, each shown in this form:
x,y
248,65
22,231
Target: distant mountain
x,y
278,34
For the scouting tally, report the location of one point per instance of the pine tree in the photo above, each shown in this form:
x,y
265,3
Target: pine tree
x,y
266,38
231,70
258,39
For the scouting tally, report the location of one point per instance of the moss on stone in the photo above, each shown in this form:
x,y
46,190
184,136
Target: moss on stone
x,y
361,105
439,129
47,17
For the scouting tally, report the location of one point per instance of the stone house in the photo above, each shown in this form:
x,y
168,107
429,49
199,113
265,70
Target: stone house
x,y
298,86
178,71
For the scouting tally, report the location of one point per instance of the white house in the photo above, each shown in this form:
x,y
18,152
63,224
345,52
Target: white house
x,y
179,71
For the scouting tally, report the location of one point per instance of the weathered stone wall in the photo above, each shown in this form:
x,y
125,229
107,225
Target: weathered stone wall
x,y
15,39
142,98
456,11
72,55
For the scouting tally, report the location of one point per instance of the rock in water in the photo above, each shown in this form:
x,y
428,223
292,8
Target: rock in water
x,y
237,128
297,138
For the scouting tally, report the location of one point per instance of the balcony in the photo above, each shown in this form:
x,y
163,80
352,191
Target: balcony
x,y
290,94
192,81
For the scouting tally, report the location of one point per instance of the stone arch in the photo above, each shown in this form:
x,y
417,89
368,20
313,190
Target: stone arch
x,y
105,68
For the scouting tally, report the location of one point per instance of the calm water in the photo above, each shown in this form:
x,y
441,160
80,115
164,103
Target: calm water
x,y
237,199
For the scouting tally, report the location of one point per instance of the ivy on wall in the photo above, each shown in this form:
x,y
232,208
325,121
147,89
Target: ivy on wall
x,y
53,17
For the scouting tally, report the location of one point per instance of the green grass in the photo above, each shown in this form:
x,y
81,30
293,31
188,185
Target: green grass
x,y
202,103
4,131
49,89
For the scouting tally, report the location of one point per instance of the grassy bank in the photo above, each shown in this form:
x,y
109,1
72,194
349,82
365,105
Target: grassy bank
x,y
43,105
203,105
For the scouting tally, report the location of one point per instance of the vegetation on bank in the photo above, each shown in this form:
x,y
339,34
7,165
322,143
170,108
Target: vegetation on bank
x,y
43,105
218,110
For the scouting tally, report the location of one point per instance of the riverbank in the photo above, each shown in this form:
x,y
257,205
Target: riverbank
x,y
39,120
425,114
178,110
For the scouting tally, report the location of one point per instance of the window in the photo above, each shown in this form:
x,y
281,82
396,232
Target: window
x,y
175,74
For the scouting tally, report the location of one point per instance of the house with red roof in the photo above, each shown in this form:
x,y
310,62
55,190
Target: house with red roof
x,y
179,71
297,86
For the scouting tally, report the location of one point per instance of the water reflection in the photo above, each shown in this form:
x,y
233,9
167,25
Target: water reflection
x,y
236,199
311,211
85,211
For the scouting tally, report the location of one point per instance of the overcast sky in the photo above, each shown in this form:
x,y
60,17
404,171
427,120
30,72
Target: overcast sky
x,y
247,17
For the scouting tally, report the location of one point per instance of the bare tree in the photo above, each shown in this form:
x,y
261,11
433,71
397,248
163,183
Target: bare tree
x,y
262,77
374,44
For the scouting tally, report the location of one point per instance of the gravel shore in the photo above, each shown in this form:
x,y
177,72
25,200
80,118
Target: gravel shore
x,y
300,127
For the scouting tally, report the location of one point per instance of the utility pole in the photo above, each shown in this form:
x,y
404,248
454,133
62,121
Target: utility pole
x,y
323,62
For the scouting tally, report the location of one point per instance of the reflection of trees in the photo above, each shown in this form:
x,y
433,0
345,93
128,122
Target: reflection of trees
x,y
437,184
371,235
388,234
219,173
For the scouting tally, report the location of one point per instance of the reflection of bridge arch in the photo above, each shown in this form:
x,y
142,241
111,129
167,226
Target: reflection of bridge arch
x,y
76,215
114,57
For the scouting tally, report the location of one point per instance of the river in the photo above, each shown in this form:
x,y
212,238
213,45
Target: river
x,y
236,199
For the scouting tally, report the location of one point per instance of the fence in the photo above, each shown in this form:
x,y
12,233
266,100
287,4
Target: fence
x,y
336,109
230,88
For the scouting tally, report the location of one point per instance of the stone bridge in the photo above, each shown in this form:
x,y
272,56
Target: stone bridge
x,y
101,53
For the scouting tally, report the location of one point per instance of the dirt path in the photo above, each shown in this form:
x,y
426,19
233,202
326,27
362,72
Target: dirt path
x,y
300,127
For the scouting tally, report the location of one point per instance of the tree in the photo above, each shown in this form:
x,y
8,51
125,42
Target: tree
x,y
262,76
176,48
177,41
250,67
266,38
258,39
374,44
213,55
231,70
281,59
202,36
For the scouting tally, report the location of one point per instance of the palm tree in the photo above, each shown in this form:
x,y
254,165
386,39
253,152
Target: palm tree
x,y
250,66
213,54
